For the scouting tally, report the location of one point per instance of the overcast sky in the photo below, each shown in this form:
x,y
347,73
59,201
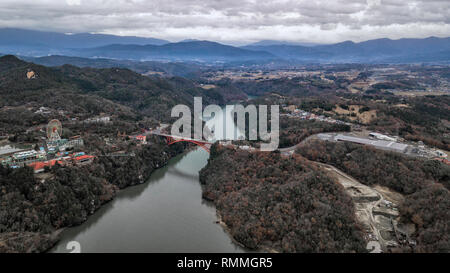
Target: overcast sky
x,y
231,21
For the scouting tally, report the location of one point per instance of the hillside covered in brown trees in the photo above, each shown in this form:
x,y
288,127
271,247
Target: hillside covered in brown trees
x,y
424,183
32,210
286,205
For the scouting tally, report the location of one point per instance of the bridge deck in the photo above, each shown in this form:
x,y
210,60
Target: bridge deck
x,y
184,138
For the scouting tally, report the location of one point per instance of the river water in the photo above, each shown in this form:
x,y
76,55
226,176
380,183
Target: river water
x,y
165,214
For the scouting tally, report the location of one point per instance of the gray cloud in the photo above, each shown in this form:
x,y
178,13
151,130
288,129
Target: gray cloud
x,y
235,20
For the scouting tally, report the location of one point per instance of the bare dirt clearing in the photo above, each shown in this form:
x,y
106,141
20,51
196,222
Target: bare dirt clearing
x,y
376,208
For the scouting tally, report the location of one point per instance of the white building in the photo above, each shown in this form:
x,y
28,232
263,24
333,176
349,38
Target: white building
x,y
380,144
105,119
381,136
441,153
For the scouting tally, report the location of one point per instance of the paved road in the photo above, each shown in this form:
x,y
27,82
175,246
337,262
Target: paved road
x,y
293,148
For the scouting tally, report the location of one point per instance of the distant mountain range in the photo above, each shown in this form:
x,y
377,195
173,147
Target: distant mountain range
x,y
21,41
35,43
275,42
374,51
182,51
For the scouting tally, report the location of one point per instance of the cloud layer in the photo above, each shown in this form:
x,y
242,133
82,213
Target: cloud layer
x,y
321,21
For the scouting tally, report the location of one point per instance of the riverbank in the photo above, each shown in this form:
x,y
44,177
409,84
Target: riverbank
x,y
228,232
71,196
165,214
257,197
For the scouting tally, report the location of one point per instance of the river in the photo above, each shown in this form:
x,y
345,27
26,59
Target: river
x,y
165,214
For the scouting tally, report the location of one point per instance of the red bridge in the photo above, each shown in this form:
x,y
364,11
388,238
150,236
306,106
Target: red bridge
x,y
206,145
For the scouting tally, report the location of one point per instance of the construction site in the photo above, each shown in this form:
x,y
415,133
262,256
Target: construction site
x,y
377,212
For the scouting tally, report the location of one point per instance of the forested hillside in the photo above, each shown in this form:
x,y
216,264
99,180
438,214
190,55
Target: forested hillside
x,y
170,69
31,210
152,97
91,91
294,130
425,184
276,203
31,95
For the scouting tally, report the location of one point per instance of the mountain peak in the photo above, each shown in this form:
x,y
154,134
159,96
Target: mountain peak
x,y
9,58
348,42
198,42
189,40
284,43
10,61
